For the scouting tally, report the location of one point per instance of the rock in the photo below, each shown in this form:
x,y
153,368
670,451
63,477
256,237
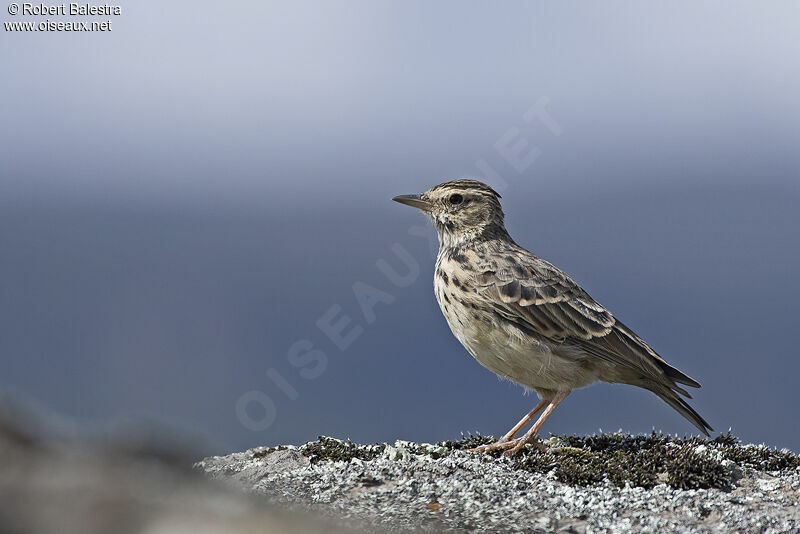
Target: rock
x,y
694,485
764,484
279,461
736,472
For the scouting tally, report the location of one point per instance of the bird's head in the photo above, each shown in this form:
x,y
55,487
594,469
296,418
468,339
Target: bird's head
x,y
461,210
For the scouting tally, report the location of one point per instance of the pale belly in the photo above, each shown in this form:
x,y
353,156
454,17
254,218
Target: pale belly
x,y
506,351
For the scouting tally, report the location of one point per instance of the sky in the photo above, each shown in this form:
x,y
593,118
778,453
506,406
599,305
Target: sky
x,y
189,201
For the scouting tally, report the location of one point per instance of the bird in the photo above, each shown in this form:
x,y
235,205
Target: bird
x,y
525,319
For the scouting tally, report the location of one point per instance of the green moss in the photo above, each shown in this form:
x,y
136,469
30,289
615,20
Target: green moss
x,y
757,456
642,461
268,450
648,460
334,450
467,441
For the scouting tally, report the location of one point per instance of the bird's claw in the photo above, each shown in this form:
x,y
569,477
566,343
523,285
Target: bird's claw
x,y
496,446
510,446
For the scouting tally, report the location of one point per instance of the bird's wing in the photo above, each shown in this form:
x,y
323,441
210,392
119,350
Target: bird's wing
x,y
536,295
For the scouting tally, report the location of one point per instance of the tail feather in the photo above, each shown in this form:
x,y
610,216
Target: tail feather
x,y
682,407
678,376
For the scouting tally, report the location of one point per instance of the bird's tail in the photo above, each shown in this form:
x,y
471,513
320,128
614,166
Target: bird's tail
x,y
679,405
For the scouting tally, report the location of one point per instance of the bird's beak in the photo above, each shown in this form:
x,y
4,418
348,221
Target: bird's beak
x,y
414,201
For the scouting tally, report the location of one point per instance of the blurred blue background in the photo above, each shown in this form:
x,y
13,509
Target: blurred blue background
x,y
183,198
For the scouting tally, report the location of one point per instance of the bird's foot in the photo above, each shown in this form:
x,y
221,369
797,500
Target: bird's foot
x,y
498,445
524,440
515,445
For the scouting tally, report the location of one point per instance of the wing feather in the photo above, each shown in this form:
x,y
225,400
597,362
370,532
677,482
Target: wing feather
x,y
536,295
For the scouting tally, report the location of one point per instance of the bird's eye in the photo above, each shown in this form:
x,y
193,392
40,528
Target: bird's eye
x,y
456,199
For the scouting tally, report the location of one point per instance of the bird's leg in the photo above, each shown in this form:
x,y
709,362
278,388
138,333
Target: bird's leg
x,y
500,443
530,436
525,420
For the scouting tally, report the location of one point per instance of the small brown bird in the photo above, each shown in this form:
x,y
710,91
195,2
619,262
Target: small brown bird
x,y
525,319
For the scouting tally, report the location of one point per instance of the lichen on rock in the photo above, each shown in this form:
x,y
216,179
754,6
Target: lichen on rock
x,y
599,483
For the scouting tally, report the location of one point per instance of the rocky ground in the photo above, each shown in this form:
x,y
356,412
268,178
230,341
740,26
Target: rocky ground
x,y
52,482
603,483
